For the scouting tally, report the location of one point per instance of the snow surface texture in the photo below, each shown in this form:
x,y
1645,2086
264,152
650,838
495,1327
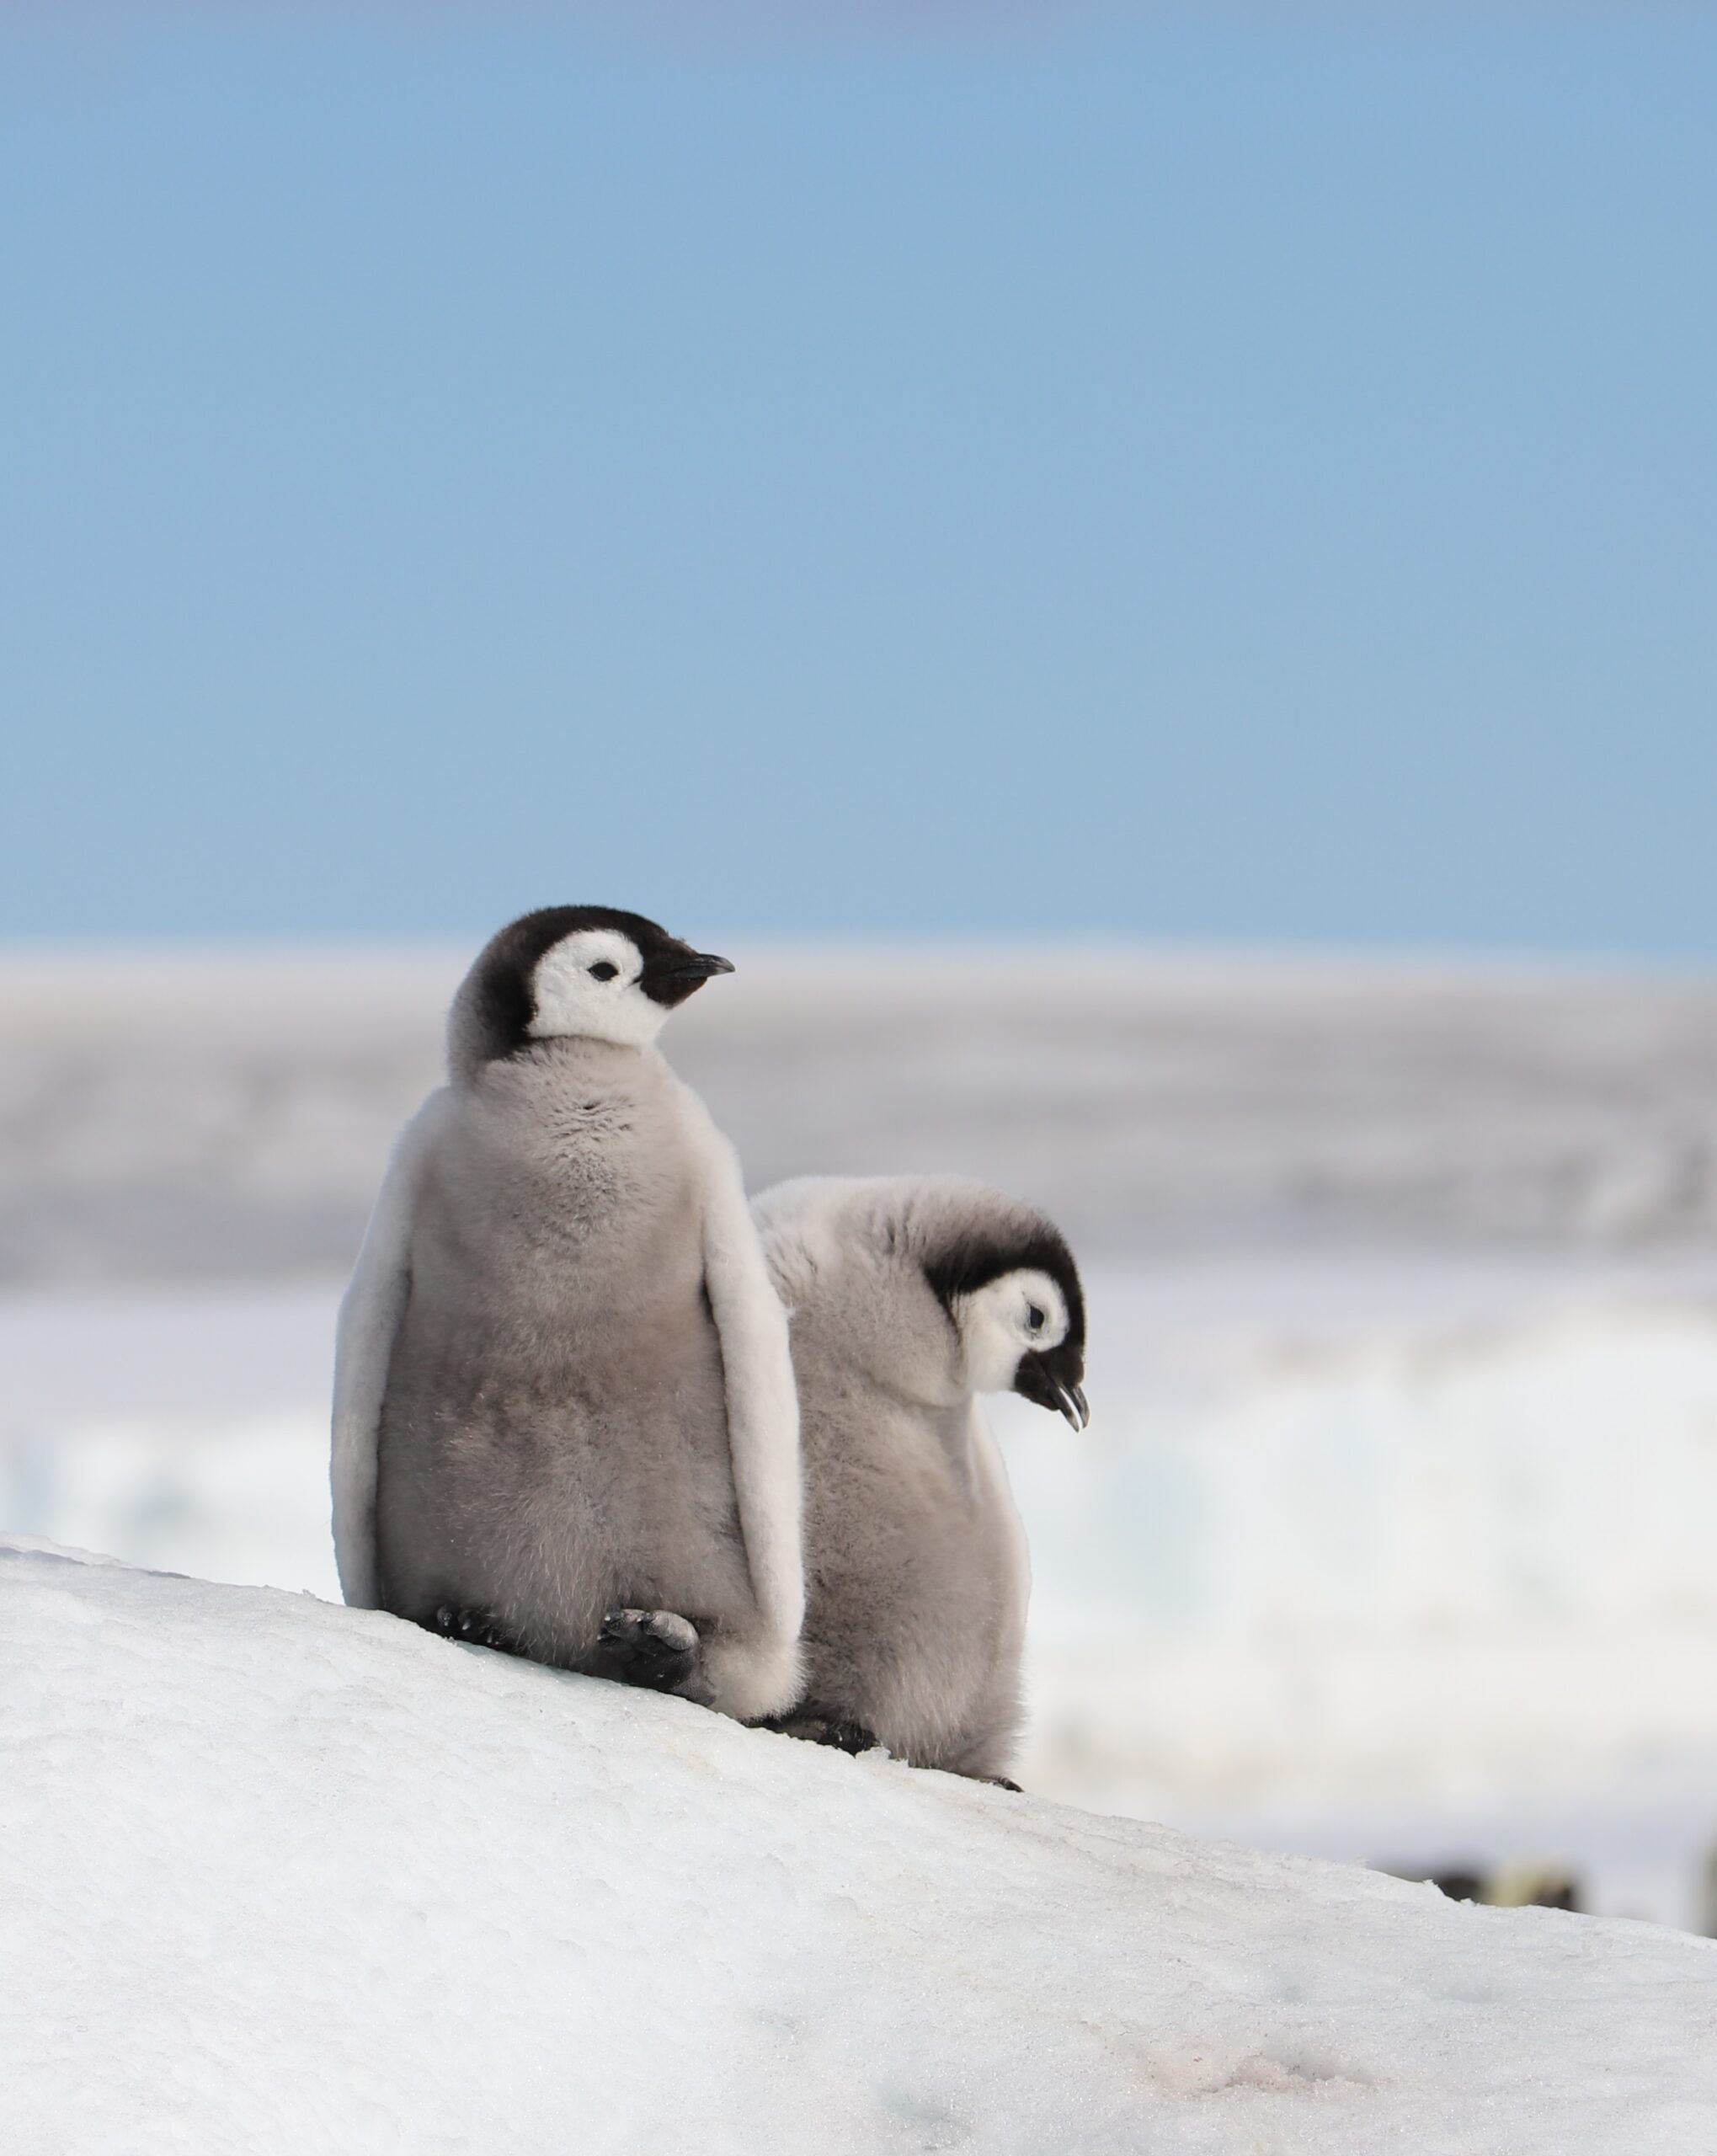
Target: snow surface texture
x,y
206,1116
280,1876
1411,1566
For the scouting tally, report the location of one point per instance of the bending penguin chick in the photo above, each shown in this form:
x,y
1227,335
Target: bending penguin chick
x,y
909,1297
565,1422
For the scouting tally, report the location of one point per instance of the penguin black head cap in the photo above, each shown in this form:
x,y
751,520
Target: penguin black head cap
x,y
496,1011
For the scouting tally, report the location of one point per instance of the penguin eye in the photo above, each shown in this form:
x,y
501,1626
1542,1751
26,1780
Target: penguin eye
x,y
1034,1318
602,971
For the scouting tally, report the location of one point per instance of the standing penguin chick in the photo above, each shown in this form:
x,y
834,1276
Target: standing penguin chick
x,y
909,1297
564,1412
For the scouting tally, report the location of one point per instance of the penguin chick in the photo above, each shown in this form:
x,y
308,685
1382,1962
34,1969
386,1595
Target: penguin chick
x,y
564,1413
909,1297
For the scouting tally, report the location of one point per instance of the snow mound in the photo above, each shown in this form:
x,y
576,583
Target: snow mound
x,y
279,1876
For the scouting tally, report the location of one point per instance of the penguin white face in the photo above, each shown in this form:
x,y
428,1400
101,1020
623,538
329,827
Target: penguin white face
x,y
586,973
587,986
1022,1313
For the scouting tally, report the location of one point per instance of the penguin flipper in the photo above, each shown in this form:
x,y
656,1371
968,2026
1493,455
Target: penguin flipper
x,y
370,1317
762,1397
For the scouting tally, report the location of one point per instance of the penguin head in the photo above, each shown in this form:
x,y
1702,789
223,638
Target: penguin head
x,y
592,972
1018,1334
1008,1282
934,1287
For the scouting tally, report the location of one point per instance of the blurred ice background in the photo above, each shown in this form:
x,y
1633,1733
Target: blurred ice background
x,y
1391,1535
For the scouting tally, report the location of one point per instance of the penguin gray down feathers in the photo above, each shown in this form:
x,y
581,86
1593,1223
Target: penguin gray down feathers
x,y
909,1297
565,1420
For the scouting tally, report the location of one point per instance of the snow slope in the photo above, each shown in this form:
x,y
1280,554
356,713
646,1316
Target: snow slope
x,y
1410,1564
281,1876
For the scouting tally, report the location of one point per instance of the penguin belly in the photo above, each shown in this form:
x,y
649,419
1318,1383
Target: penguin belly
x,y
553,1440
915,1580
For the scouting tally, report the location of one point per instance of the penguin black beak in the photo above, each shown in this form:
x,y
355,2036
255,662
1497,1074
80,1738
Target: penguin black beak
x,y
1036,1380
1072,1402
695,970
683,974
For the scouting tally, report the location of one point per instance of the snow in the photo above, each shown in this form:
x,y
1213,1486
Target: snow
x,y
1389,1539
279,1876
1407,1564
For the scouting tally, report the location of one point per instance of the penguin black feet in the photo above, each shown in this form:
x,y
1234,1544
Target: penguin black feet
x,y
658,1649
815,1725
475,1628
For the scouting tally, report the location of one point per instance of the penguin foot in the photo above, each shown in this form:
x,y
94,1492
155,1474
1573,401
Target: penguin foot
x,y
658,1649
818,1726
999,1781
476,1628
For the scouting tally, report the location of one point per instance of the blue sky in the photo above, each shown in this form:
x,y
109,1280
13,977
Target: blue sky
x,y
1223,474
